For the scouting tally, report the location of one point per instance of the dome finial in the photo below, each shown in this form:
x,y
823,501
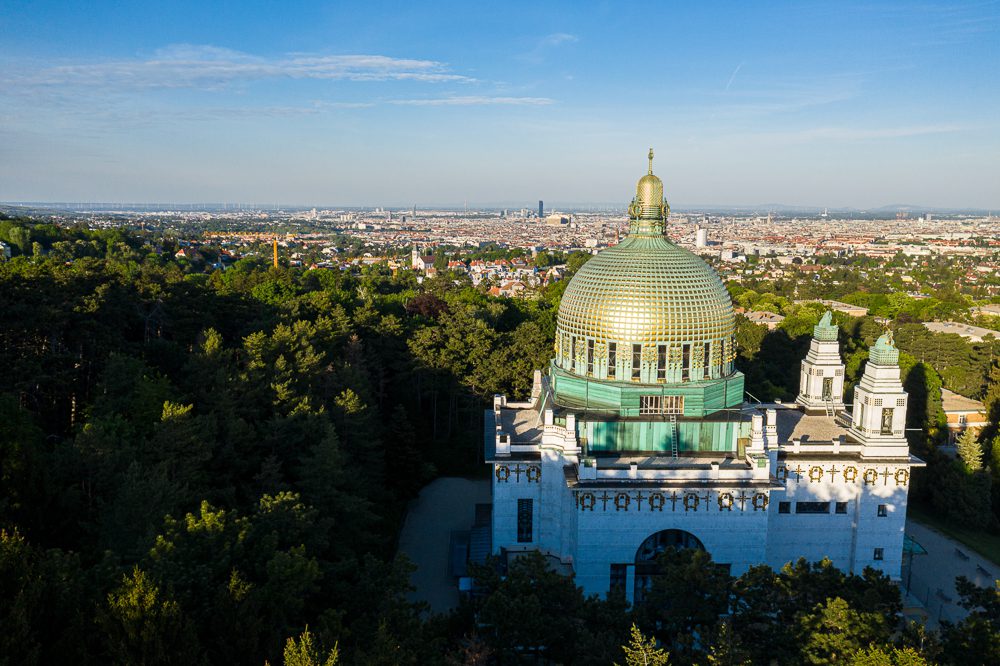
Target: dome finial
x,y
650,161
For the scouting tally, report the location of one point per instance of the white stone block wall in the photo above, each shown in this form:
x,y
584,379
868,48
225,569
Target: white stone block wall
x,y
508,487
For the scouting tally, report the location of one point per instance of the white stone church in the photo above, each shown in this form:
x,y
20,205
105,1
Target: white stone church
x,y
638,437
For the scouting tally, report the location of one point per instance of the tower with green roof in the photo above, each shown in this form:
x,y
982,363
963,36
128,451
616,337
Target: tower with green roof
x,y
821,378
879,414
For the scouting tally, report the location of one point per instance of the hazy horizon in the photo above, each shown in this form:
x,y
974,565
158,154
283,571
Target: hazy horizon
x,y
847,105
487,207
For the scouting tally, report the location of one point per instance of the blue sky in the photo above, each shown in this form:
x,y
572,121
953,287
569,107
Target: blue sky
x,y
803,103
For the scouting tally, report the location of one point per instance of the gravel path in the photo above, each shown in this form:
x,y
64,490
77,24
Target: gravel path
x,y
933,580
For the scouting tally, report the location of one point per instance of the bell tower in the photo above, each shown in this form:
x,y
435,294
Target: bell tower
x,y
821,381
879,414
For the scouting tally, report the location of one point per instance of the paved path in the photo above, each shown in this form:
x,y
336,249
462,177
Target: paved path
x,y
933,580
444,505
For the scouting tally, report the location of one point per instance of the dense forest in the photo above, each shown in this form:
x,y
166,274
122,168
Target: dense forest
x,y
212,468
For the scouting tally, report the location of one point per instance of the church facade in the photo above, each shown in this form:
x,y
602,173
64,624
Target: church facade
x,y
638,436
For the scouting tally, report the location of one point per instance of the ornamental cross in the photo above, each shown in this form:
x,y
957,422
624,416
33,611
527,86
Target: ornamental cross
x,y
742,497
517,473
798,473
604,499
885,476
673,500
833,473
638,500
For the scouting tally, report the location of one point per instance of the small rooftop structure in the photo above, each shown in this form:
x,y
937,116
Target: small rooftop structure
x,y
764,318
962,413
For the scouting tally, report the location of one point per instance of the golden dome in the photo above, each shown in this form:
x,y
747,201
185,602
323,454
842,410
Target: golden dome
x,y
647,291
649,191
648,210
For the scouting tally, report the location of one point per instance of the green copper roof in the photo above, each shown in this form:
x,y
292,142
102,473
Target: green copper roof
x,y
825,330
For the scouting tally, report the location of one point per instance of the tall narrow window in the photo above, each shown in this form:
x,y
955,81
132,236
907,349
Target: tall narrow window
x,y
612,359
525,508
572,354
708,359
685,362
619,574
590,358
567,355
661,363
724,367
636,362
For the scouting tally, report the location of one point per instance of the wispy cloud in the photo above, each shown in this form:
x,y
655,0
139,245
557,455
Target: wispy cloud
x,y
872,133
732,77
557,38
198,66
842,134
475,100
544,46
788,97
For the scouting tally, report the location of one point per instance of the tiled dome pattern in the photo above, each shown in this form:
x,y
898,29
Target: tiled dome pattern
x,y
647,290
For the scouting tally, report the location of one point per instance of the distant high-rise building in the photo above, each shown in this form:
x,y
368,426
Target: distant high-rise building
x,y
701,237
541,209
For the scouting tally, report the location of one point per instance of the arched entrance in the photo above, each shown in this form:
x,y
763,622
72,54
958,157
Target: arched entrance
x,y
646,566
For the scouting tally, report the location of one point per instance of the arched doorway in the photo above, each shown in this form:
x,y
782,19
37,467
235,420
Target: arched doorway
x,y
646,566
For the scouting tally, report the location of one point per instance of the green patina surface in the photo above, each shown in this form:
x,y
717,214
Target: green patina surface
x,y
609,417
658,436
701,399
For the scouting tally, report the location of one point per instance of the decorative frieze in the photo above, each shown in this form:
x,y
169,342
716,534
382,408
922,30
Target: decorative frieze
x,y
531,473
686,501
870,476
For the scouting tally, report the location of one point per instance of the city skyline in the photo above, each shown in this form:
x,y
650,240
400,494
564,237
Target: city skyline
x,y
816,105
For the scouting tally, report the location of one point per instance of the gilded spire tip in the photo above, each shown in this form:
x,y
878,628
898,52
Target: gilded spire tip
x,y
650,161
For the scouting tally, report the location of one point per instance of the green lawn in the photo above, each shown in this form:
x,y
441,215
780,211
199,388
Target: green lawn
x,y
985,543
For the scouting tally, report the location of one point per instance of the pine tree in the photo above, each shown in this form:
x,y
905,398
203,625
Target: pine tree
x,y
969,450
878,655
303,652
642,651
